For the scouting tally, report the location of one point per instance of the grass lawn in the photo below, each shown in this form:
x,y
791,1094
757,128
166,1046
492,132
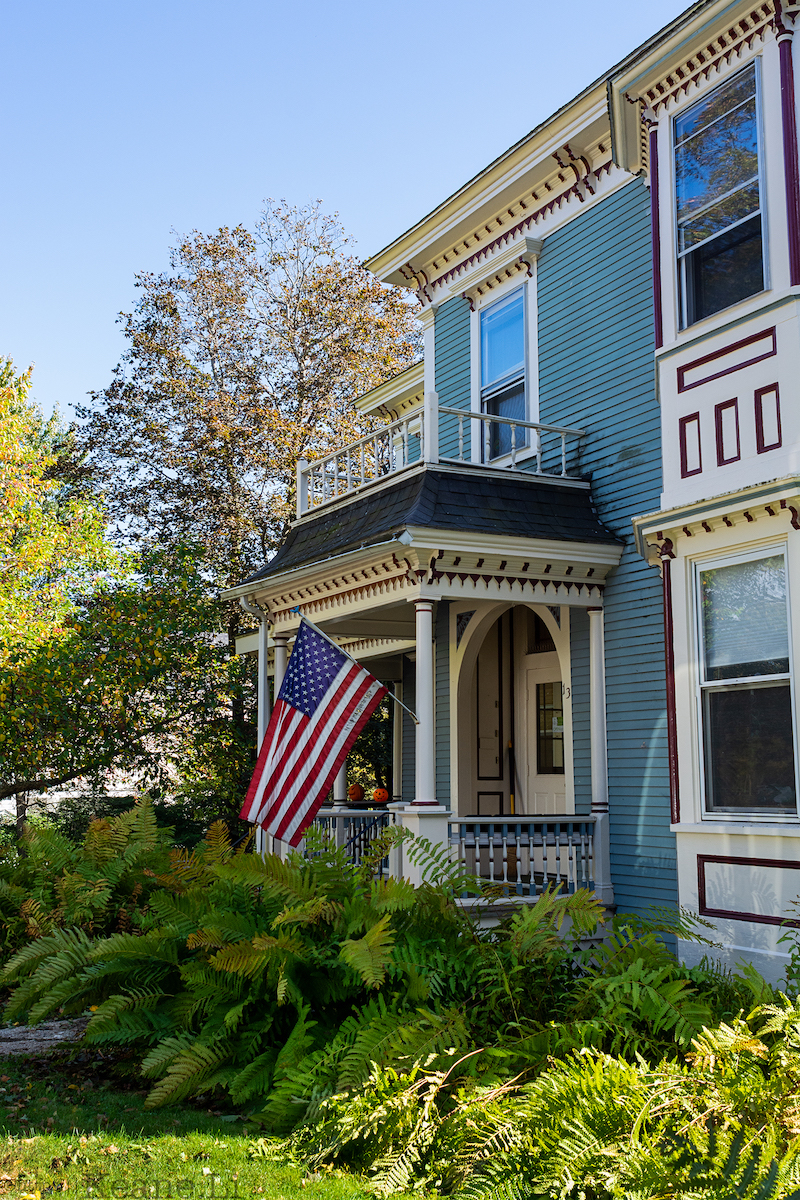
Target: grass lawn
x,y
64,1128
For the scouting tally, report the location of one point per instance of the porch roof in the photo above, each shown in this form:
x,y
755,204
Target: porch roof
x,y
464,499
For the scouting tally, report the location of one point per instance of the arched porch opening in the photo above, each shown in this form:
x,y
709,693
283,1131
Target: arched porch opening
x,y
511,727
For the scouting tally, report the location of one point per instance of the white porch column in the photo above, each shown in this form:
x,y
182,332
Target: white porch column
x,y
425,790
262,693
281,658
340,785
599,756
424,817
397,748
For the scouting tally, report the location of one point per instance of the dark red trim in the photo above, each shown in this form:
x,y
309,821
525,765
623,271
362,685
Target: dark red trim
x,y
732,914
791,171
719,409
682,425
669,662
761,445
707,358
655,239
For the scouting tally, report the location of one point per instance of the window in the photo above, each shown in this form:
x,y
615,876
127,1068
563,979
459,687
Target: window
x,y
550,728
745,695
718,199
503,373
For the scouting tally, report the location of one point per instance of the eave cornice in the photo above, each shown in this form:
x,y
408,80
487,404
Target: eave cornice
x,y
765,503
531,165
397,395
705,39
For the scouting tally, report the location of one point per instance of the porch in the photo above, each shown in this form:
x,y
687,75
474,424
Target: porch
x,y
464,577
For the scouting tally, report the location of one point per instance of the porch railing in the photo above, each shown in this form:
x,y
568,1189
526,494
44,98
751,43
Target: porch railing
x,y
355,829
523,857
435,433
527,855
390,448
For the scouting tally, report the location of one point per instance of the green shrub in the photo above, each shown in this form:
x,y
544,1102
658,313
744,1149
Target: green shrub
x,y
96,885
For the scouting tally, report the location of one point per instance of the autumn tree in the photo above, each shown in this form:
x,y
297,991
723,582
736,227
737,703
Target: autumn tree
x,y
110,660
52,538
243,357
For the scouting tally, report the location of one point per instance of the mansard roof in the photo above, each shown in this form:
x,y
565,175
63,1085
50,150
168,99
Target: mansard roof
x,y
463,500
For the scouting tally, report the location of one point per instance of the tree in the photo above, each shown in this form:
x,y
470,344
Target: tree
x,y
242,358
136,671
245,356
109,660
52,537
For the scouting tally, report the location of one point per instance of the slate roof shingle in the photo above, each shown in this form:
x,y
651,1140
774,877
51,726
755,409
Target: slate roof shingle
x,y
506,504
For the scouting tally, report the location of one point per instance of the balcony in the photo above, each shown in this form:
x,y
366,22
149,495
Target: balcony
x,y
438,434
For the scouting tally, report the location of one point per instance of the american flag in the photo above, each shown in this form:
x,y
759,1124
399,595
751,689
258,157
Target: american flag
x,y
324,702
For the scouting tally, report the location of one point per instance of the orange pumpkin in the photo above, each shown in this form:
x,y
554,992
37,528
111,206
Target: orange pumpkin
x,y
355,792
380,796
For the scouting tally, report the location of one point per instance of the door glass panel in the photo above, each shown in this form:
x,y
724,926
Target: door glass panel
x,y
745,629
550,728
511,404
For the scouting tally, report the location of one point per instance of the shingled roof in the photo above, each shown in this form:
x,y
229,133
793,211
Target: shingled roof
x,y
509,504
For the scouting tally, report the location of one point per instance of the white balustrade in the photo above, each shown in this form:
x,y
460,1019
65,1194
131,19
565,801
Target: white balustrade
x,y
544,436
404,443
390,448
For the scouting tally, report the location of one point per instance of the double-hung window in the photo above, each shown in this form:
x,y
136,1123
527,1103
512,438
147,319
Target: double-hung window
x,y
745,691
503,373
719,198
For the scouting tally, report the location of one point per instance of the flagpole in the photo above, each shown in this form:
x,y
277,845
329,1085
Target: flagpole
x,y
336,646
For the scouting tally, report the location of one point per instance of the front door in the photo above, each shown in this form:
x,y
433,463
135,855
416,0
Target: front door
x,y
544,705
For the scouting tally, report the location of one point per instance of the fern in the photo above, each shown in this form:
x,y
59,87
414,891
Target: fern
x,y
369,955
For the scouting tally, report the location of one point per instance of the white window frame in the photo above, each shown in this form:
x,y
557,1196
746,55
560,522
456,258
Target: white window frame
x,y
527,285
678,258
751,554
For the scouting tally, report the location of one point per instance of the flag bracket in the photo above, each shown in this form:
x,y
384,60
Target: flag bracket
x,y
342,650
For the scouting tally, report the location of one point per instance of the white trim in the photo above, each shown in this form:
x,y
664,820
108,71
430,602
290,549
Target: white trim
x,y
710,561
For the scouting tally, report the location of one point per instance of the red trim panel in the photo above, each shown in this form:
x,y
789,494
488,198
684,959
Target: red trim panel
x,y
655,238
669,662
791,172
778,863
709,358
719,409
761,444
683,424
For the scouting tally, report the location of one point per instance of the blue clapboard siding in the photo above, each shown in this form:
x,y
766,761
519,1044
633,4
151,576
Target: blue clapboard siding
x,y
409,745
596,372
452,371
443,702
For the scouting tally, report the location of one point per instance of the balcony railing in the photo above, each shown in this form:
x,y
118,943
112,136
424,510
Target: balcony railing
x,y
435,434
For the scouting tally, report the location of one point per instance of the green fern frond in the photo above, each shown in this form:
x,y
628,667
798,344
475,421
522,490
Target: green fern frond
x,y
369,955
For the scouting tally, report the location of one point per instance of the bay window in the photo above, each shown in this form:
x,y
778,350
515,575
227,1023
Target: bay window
x,y
718,195
745,692
503,390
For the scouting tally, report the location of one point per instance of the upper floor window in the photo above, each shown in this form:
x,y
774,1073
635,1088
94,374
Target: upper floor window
x,y
503,373
745,689
718,199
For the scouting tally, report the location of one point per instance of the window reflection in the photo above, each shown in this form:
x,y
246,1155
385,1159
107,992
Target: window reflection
x,y
718,199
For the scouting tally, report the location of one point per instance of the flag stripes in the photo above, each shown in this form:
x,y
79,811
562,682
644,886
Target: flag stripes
x,y
323,704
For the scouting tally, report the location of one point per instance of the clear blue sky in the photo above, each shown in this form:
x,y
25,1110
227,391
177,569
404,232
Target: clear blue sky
x,y
123,122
